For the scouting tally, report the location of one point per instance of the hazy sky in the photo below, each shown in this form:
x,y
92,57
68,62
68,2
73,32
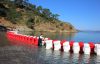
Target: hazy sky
x,y
82,14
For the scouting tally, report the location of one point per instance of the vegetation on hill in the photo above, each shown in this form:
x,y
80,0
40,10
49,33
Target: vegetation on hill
x,y
22,13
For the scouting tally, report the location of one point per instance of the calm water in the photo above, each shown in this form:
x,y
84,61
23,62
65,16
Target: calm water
x,y
15,52
80,36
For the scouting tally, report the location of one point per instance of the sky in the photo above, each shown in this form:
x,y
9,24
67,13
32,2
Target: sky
x,y
82,14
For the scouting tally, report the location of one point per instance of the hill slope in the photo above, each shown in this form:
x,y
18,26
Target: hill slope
x,y
15,14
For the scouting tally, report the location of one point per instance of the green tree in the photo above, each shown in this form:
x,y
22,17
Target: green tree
x,y
30,23
33,7
4,1
55,16
13,15
3,10
21,3
46,13
39,9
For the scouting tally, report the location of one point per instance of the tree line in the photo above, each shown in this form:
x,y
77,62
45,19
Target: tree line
x,y
38,10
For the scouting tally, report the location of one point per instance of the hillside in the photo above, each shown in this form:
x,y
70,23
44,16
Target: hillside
x,y
22,15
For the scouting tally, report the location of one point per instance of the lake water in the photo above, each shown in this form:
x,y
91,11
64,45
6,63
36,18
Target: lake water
x,y
16,52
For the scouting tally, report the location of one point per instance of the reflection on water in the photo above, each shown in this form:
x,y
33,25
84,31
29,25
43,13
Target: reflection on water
x,y
58,57
3,39
53,35
80,36
97,59
15,52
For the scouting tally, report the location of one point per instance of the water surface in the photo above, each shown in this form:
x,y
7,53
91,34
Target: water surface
x,y
16,52
77,37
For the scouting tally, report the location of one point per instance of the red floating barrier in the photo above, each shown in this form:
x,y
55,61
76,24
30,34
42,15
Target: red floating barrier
x,y
54,40
71,43
92,46
30,40
27,39
53,43
81,44
48,38
62,42
36,41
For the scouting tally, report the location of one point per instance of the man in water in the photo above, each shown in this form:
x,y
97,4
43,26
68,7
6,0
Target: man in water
x,y
40,40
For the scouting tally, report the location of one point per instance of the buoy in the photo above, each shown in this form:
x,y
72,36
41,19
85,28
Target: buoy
x,y
23,40
48,44
71,45
92,46
66,46
81,44
76,47
86,48
57,45
36,41
97,49
62,41
46,39
30,39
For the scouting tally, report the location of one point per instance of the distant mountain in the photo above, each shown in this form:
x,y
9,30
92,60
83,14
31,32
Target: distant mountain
x,y
88,31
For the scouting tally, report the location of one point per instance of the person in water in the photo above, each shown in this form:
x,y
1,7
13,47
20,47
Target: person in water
x,y
40,40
